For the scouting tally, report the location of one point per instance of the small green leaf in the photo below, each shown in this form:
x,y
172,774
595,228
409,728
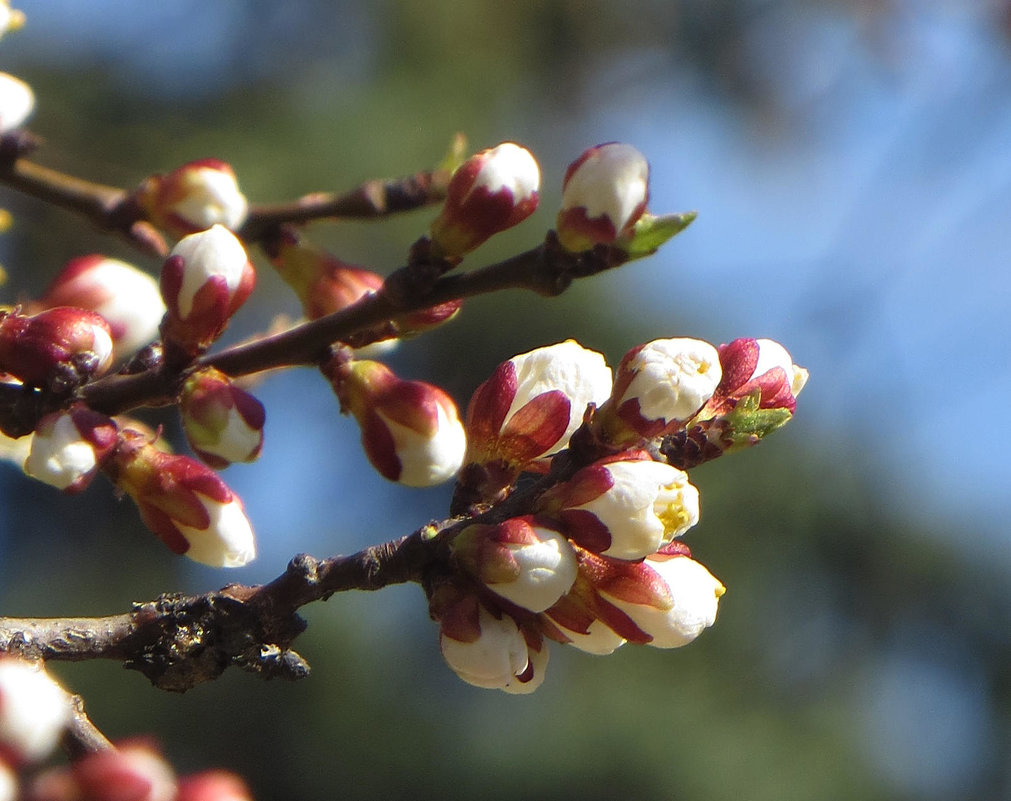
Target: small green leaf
x,y
650,232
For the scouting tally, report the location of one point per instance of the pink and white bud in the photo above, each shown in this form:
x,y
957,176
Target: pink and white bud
x,y
69,446
659,386
487,649
489,193
411,430
205,279
223,423
132,770
185,503
673,601
525,560
34,712
626,507
195,197
56,349
17,102
772,355
534,402
762,366
604,193
127,298
213,785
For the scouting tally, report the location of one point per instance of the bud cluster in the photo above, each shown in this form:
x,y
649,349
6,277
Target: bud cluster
x,y
598,560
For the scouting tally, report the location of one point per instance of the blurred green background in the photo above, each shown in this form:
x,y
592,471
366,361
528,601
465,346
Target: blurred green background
x,y
851,163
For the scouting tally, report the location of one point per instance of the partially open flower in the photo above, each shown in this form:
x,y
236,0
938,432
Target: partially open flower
x,y
69,446
17,101
127,298
57,349
659,385
489,193
223,423
605,192
34,711
761,365
194,197
411,430
525,560
625,507
205,279
185,503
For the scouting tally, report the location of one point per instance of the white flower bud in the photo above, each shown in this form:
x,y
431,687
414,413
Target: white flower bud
x,y
494,659
771,354
34,710
17,101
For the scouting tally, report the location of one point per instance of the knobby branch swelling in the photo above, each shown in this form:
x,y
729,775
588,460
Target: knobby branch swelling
x,y
572,494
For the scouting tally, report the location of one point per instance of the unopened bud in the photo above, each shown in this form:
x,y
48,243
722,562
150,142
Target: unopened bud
x,y
411,430
490,192
34,711
205,279
17,101
185,503
223,423
56,349
127,298
194,197
604,193
69,446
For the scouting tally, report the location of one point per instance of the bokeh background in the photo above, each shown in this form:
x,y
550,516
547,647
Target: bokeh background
x,y
851,164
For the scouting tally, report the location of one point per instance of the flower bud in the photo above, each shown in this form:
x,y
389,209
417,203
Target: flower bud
x,y
205,279
659,385
213,785
490,192
34,711
69,446
674,599
133,770
763,365
534,402
10,19
194,197
487,649
523,559
56,349
604,193
127,298
625,508
185,503
223,423
411,431
17,101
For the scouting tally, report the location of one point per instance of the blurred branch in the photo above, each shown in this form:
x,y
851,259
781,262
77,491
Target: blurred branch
x,y
82,736
179,641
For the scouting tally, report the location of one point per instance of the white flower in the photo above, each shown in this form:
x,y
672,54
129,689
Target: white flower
x,y
671,378
645,506
34,710
494,659
17,101
770,355
690,607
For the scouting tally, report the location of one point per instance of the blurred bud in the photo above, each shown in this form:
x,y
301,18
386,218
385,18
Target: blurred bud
x,y
604,193
487,649
672,599
8,782
658,386
133,771
34,712
17,101
194,197
10,18
57,349
223,423
213,785
625,507
205,279
68,447
127,298
411,431
185,503
490,192
524,560
534,402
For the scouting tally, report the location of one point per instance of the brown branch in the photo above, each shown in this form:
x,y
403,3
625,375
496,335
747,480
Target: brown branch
x,y
179,641
82,736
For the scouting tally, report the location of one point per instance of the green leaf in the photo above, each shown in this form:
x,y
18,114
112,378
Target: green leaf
x,y
650,232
